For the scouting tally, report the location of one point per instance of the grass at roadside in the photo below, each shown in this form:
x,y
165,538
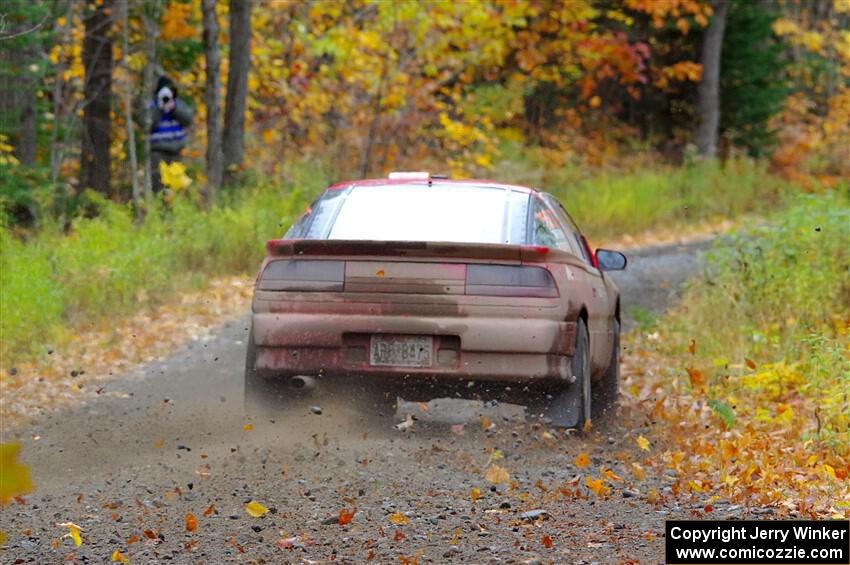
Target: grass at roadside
x,y
612,204
55,282
748,381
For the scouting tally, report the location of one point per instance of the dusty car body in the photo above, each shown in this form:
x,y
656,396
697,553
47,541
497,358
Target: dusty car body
x,y
421,278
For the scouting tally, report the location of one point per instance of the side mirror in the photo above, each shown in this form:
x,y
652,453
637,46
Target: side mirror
x,y
610,260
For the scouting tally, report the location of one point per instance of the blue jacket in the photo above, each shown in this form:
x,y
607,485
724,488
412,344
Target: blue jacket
x,y
168,129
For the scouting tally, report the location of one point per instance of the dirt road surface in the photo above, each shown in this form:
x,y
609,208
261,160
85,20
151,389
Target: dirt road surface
x,y
172,440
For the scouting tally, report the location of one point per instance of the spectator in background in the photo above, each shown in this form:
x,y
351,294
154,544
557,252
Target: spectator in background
x,y
171,118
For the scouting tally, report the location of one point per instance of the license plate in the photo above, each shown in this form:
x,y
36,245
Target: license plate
x,y
401,351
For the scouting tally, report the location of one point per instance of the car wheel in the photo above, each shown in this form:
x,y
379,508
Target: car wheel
x,y
569,407
605,397
263,397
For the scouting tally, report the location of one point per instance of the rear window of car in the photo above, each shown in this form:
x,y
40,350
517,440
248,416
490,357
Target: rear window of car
x,y
461,214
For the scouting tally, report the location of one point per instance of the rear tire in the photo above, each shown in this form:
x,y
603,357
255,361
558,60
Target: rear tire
x,y
569,406
607,393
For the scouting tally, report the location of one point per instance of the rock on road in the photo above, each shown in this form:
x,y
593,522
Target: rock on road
x,y
172,439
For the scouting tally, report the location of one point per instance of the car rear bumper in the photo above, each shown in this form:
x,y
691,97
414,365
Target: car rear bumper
x,y
482,348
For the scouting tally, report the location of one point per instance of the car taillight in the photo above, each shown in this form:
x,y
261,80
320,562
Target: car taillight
x,y
303,275
506,280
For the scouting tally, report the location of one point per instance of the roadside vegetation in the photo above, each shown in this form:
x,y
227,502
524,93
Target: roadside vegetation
x,y
747,382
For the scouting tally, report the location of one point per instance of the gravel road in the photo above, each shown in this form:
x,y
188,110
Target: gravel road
x,y
172,439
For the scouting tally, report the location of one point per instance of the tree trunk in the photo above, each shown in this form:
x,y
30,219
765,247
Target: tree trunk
x,y
28,124
237,82
150,20
212,98
708,94
97,60
128,111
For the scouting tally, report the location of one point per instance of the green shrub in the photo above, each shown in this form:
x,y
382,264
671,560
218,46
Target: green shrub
x,y
647,197
55,281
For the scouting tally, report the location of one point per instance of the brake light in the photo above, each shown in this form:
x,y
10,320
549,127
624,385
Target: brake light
x,y
507,280
303,275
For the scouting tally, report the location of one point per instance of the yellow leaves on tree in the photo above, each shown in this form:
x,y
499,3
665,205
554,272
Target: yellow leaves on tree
x,y
255,509
177,22
14,477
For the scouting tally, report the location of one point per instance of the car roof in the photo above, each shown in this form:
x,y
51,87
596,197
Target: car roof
x,y
432,181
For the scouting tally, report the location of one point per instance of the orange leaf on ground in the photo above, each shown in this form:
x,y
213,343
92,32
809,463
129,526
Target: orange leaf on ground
x,y
399,535
546,541
210,509
399,519
191,522
345,517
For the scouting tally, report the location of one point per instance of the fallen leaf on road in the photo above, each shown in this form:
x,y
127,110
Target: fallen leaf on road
x,y
457,429
638,472
399,535
286,543
248,427
475,493
119,557
497,475
255,509
210,509
73,532
14,477
609,474
546,541
642,442
588,424
191,522
597,486
399,519
346,516
149,534
583,460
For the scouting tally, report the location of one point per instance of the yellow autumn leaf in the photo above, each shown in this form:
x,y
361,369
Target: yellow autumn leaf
x,y
14,477
475,493
597,486
496,454
255,509
643,443
609,474
583,460
638,472
398,519
174,175
73,532
497,475
119,557
248,427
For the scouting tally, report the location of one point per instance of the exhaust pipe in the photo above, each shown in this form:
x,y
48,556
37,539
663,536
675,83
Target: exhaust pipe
x,y
300,382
